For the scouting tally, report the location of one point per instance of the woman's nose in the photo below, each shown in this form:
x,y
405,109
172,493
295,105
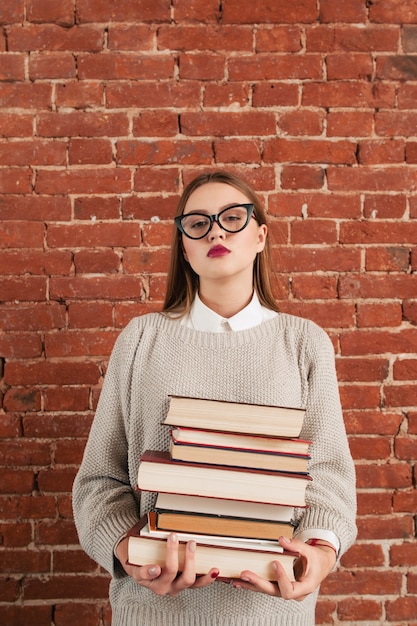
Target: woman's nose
x,y
216,231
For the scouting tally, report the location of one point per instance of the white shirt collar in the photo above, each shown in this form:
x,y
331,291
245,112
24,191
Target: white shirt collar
x,y
204,319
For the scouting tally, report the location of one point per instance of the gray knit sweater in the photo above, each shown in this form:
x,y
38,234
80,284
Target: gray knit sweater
x,y
286,361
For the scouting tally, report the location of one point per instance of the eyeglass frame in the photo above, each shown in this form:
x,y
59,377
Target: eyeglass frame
x,y
215,218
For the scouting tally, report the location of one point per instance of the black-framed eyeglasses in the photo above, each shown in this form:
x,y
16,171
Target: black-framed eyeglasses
x,y
232,219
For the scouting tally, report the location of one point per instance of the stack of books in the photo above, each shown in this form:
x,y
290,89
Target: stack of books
x,y
230,481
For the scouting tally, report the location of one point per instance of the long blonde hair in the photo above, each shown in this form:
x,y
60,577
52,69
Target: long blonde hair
x,y
183,282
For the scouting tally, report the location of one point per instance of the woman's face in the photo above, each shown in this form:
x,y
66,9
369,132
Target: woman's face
x,y
220,255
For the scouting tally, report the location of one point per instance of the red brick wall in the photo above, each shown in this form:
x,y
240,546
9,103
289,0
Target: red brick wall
x,y
108,107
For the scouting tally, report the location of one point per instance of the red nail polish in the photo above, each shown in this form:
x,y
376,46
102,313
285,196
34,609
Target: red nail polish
x,y
215,574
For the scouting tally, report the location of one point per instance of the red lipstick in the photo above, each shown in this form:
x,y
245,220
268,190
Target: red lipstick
x,y
217,251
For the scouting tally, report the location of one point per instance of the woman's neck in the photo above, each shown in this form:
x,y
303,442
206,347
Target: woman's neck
x,y
225,301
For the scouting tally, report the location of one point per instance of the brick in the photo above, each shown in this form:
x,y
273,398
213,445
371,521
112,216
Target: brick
x,y
15,615
96,261
221,124
409,38
370,448
355,66
145,260
286,12
400,395
22,400
81,124
410,311
25,562
381,151
302,123
315,204
75,343
309,151
388,476
279,38
85,151
311,288
91,288
50,373
50,65
379,232
313,232
20,345
339,37
69,452
48,11
367,555
12,66
353,11
144,208
56,426
362,583
207,38
110,180
15,180
272,94
362,369
73,561
55,533
21,234
347,94
360,396
16,481
381,423
66,587
393,11
97,208
26,289
9,590
230,95
237,151
349,123
32,95
398,286
132,152
384,206
368,610
315,259
405,501
405,369
196,10
302,177
151,95
22,261
36,208
131,37
25,452
53,37
401,609
367,178
374,503
123,66
12,11
164,123
27,508
378,342
279,67
123,11
79,95
201,66
154,179
56,481
379,314
10,426
87,614
15,535
41,316
16,125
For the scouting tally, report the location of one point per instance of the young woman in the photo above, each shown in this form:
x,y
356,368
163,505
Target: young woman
x,y
219,336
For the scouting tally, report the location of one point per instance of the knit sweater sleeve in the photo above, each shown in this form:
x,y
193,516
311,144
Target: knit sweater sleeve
x,y
331,496
104,503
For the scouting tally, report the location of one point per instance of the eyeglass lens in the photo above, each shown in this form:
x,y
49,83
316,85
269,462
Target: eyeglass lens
x,y
232,220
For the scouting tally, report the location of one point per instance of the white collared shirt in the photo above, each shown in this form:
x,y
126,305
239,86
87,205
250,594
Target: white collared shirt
x,y
204,319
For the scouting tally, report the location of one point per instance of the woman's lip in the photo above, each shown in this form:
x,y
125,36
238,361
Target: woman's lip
x,y
216,251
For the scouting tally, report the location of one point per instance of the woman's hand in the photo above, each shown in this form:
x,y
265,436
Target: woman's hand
x,y
314,563
167,580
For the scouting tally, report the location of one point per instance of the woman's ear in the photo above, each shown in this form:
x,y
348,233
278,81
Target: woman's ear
x,y
262,235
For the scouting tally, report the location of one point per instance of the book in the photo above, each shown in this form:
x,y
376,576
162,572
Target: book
x,y
157,472
221,526
230,561
172,502
245,543
237,458
218,439
253,419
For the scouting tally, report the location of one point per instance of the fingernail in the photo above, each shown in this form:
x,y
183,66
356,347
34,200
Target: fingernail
x,y
245,579
152,571
191,546
173,538
215,574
